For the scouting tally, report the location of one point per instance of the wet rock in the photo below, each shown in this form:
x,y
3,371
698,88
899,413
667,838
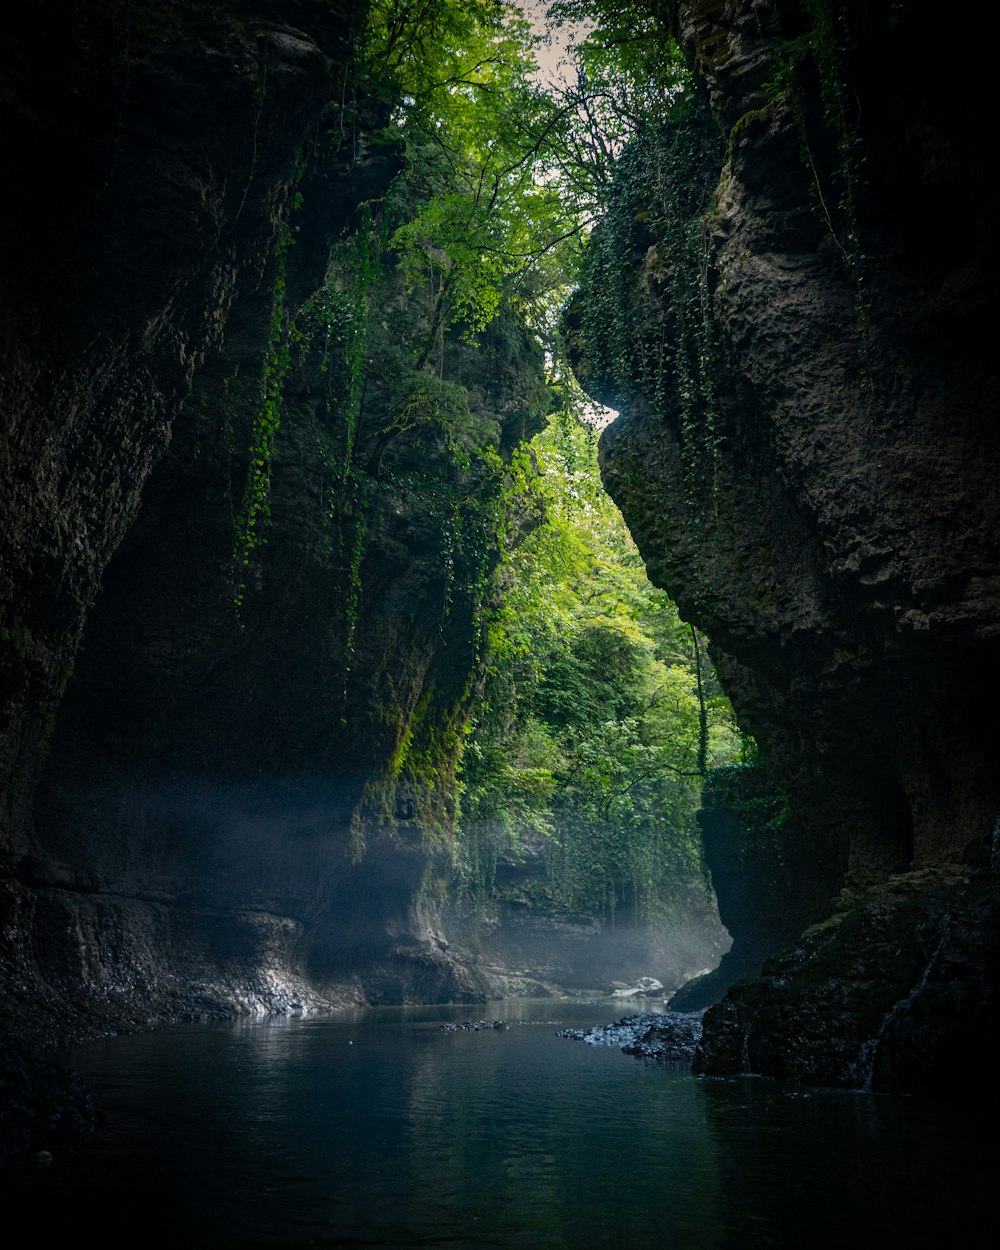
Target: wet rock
x,y
474,1026
901,992
644,987
40,1103
670,1036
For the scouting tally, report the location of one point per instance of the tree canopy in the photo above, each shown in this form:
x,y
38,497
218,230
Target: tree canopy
x,y
505,170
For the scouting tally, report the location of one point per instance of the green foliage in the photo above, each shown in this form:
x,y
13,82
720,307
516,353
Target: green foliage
x,y
255,507
750,793
646,327
429,448
478,221
595,725
586,747
814,60
357,268
499,179
624,73
503,172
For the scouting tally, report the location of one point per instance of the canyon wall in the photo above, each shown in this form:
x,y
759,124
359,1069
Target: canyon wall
x,y
809,469
241,600
227,763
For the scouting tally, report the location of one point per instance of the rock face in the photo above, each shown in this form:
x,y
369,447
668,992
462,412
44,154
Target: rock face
x,y
768,879
152,165
900,992
156,160
237,795
838,535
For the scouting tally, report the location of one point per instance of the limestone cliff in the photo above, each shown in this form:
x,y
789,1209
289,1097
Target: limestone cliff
x,y
149,157
809,470
237,795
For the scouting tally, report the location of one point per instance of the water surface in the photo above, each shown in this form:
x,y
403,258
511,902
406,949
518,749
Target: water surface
x,y
375,1128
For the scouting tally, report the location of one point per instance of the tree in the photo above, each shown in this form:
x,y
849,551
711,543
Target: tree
x,y
601,714
624,73
477,216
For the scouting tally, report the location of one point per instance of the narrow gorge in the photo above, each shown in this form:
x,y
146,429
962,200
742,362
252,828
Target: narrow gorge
x,y
265,480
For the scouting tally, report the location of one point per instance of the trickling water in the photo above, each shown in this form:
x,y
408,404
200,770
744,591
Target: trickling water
x,y
995,846
377,1128
745,1068
863,1068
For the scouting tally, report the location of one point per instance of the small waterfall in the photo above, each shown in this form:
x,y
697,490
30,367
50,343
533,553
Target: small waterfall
x,y
744,1061
995,846
862,1069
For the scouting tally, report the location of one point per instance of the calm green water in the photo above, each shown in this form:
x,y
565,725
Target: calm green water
x,y
375,1128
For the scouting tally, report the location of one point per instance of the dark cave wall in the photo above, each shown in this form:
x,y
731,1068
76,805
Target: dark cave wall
x,y
846,565
155,149
844,560
768,876
151,161
209,810
280,760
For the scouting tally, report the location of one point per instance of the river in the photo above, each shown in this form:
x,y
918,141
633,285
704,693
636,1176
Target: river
x,y
376,1128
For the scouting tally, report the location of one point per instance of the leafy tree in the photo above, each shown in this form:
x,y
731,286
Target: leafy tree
x,y
594,733
478,218
504,173
624,73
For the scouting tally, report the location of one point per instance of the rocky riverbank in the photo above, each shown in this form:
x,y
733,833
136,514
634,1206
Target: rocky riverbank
x,y
671,1036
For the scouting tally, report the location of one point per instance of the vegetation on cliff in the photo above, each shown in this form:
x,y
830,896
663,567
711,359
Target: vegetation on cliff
x,y
315,437
600,713
292,334
422,352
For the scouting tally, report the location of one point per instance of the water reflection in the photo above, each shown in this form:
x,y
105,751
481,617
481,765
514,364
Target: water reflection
x,y
852,1169
376,1129
546,1148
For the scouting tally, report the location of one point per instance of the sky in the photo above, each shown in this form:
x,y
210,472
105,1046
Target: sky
x,y
551,58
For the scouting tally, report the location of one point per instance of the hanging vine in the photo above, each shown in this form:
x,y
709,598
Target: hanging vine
x,y
817,62
255,507
647,324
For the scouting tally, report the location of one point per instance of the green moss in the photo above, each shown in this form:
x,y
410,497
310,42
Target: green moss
x,y
744,122
421,769
255,506
759,807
